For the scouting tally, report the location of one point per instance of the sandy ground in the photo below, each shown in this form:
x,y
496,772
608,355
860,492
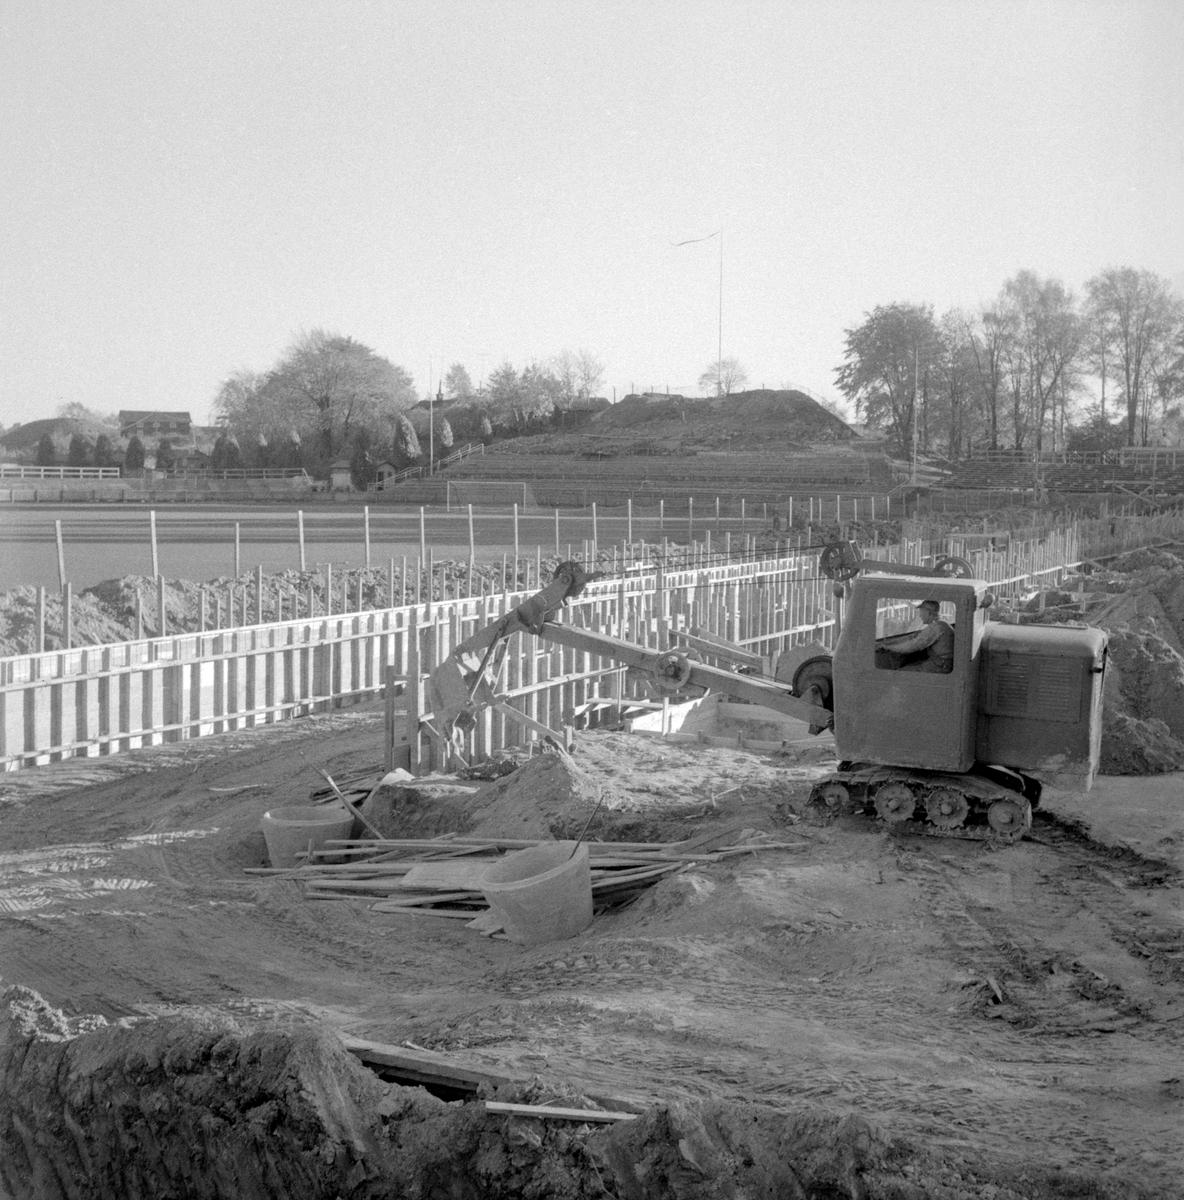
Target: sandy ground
x,y
1019,1005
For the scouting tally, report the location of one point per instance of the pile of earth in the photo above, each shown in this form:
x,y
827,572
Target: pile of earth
x,y
107,612
1139,600
220,1107
551,795
657,423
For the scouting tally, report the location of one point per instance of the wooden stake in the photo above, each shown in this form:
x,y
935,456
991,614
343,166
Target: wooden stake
x,y
238,557
258,593
162,620
155,554
41,620
67,616
366,526
300,531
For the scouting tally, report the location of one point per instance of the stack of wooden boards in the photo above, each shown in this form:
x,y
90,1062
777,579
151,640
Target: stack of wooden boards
x,y
442,877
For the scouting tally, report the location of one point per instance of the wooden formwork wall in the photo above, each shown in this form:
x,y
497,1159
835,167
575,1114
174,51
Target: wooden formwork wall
x,y
100,700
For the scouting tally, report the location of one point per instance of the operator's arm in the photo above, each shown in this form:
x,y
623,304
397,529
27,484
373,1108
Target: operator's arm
x,y
910,643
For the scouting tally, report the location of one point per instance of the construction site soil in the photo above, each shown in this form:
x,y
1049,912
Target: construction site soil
x,y
866,1014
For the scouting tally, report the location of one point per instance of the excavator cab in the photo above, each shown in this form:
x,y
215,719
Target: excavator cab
x,y
898,700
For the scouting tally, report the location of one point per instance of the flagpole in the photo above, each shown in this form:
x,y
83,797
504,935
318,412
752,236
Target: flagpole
x,y
719,358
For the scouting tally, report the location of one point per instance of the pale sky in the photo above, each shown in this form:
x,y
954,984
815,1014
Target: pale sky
x,y
184,186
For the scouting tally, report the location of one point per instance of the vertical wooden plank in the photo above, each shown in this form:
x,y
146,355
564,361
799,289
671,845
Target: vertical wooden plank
x,y
414,693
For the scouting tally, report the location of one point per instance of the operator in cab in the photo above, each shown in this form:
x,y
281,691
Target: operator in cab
x,y
935,638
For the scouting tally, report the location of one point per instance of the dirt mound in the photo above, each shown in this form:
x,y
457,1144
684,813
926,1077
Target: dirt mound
x,y
1150,676
1138,747
549,796
1139,601
1144,557
174,1107
107,612
92,623
757,415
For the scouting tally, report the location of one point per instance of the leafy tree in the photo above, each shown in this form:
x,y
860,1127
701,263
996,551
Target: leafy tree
x,y
406,442
133,456
723,377
166,456
520,402
1135,311
80,452
486,430
363,466
104,451
226,455
1095,433
457,384
326,386
47,452
445,435
887,375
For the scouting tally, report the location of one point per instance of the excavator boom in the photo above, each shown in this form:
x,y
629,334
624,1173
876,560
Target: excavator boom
x,y
463,684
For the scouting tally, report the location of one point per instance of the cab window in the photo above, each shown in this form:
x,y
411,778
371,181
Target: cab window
x,y
897,620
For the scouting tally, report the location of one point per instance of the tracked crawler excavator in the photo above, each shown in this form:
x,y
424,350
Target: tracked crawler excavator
x,y
957,750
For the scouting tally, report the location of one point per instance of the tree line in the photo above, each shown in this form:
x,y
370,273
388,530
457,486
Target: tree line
x,y
1020,372
329,396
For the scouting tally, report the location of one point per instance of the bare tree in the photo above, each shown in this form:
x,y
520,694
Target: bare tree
x,y
992,337
1137,308
724,376
579,373
1048,347
956,382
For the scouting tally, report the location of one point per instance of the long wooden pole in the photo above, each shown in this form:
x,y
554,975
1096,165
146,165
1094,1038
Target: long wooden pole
x,y
57,526
238,553
300,531
155,552
366,524
472,550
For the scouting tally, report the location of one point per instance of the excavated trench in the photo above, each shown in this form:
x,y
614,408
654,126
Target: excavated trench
x,y
206,1108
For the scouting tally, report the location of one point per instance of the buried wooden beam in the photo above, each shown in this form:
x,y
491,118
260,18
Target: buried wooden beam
x,y
557,1114
427,1067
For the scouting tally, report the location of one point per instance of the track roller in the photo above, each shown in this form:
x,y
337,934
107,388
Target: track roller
x,y
895,802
